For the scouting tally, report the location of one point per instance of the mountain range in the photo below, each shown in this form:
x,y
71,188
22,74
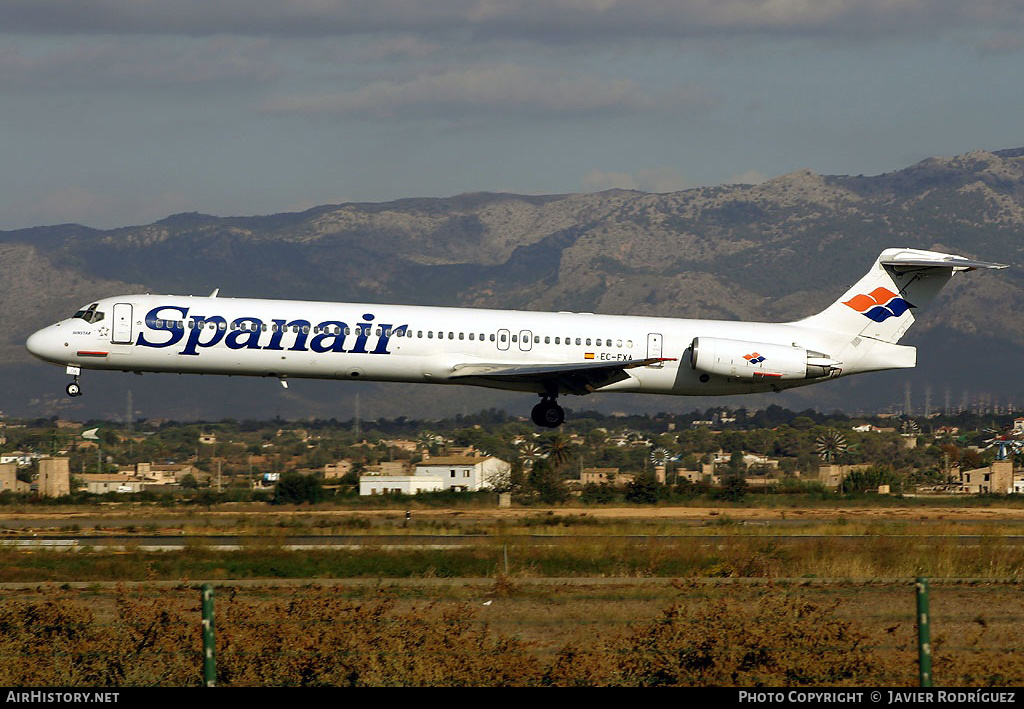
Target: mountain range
x,y
778,250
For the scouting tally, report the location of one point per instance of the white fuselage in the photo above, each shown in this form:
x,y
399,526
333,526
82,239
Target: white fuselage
x,y
401,343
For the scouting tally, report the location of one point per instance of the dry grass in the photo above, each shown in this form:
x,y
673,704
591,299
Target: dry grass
x,y
680,634
711,626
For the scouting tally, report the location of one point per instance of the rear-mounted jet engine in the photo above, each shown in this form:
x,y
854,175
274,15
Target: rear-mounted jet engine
x,y
758,360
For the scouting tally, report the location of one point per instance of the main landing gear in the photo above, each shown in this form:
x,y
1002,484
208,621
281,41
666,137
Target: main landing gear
x,y
548,413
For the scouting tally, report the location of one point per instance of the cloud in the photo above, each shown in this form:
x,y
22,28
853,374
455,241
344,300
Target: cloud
x,y
546,21
134,62
658,179
750,177
1003,43
98,209
506,90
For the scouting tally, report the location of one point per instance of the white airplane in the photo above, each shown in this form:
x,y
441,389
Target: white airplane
x,y
549,354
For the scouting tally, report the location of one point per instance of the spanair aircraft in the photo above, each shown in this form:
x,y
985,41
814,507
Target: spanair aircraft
x,y
549,354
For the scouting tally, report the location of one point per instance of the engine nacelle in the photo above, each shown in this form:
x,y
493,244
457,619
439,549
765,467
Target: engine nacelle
x,y
758,360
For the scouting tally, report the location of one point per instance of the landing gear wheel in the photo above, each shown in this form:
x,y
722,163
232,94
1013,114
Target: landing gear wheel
x,y
73,389
548,414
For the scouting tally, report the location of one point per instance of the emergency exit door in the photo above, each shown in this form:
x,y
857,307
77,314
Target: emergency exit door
x,y
654,343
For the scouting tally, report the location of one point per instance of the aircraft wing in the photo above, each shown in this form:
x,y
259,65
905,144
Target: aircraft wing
x,y
572,377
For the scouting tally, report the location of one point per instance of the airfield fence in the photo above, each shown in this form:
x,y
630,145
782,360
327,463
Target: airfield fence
x,y
510,632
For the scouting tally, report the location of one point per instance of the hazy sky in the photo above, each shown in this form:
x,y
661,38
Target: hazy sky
x,y
118,112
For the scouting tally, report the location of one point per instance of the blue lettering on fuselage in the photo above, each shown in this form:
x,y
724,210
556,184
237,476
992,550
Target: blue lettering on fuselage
x,y
172,322
157,320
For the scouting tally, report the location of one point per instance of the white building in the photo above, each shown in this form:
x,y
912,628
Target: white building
x,y
399,484
99,483
466,473
463,473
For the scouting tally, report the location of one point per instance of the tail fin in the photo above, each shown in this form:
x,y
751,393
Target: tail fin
x,y
881,305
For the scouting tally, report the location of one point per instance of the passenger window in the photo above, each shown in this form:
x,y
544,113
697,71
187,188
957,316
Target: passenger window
x,y
588,342
578,341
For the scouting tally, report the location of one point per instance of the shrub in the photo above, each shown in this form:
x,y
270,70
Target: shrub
x,y
779,640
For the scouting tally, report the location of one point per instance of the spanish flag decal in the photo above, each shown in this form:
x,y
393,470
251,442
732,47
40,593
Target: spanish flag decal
x,y
588,355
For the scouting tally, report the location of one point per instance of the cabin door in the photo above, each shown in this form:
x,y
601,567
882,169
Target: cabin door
x,y
121,325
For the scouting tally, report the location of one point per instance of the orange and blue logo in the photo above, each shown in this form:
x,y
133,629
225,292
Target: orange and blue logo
x,y
754,358
879,305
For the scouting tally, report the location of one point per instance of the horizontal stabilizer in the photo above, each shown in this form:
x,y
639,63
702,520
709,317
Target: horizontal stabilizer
x,y
957,263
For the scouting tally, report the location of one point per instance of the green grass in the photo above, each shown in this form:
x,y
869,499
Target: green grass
x,y
741,555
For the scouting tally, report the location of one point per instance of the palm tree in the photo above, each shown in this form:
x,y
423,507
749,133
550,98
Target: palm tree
x,y
558,449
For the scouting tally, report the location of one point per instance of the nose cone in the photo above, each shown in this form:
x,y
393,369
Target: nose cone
x,y
40,344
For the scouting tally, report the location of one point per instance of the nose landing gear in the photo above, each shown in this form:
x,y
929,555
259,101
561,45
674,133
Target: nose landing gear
x,y
74,389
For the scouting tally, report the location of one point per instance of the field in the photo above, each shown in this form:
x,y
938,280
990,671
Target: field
x,y
627,597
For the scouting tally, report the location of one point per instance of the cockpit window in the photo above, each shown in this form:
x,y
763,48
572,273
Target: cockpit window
x,y
90,314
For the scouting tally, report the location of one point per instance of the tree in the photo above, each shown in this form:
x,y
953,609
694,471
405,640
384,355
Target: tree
x,y
547,483
734,488
558,449
736,464
600,494
644,489
870,478
294,488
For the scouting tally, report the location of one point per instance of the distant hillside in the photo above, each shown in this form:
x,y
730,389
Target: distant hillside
x,y
774,251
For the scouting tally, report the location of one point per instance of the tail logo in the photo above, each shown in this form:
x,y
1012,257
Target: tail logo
x,y
879,305
754,358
